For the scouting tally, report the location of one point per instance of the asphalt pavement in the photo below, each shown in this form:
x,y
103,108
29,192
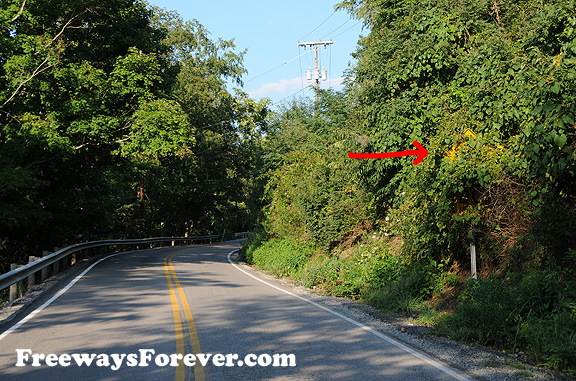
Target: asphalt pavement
x,y
158,314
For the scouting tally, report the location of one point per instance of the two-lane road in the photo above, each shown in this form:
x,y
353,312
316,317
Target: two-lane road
x,y
158,306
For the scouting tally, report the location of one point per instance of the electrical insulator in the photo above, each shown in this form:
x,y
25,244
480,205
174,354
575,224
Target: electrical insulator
x,y
309,74
316,74
324,74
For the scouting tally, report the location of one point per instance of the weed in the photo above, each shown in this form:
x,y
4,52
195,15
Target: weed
x,y
428,316
281,257
485,315
399,297
525,373
516,365
492,363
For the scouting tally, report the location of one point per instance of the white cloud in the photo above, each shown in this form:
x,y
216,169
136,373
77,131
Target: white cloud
x,y
284,86
287,86
333,82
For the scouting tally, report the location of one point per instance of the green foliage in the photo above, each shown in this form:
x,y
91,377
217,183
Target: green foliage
x,y
311,187
428,71
402,296
116,121
551,340
281,257
250,244
536,313
486,314
334,276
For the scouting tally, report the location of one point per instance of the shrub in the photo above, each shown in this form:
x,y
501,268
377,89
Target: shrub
x,y
485,315
253,242
551,340
320,271
281,257
537,313
399,297
540,293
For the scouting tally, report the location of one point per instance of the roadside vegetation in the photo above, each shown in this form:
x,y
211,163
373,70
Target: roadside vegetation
x,y
396,235
116,121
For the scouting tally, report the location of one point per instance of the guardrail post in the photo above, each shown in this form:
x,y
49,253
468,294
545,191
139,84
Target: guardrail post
x,y
60,260
56,267
14,287
80,255
45,270
32,278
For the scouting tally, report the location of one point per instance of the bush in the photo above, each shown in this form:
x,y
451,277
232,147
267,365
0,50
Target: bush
x,y
281,257
537,313
551,340
540,293
546,306
320,271
485,315
398,297
253,242
334,276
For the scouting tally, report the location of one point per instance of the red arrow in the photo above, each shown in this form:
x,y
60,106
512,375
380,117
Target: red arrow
x,y
420,151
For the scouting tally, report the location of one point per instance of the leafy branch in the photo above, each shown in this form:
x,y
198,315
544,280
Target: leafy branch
x,y
43,65
39,69
19,12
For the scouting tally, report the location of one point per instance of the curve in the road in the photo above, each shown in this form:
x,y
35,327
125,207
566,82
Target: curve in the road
x,y
457,375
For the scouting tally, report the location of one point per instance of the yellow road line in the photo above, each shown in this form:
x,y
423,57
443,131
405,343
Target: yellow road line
x,y
180,369
193,334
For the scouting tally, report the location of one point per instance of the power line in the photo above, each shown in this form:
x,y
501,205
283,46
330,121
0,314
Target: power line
x,y
345,22
289,96
347,29
301,74
322,23
290,60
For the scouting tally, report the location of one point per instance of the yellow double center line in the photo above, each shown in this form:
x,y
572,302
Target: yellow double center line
x,y
180,328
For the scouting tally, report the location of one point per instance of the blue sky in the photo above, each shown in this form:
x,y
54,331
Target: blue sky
x,y
270,31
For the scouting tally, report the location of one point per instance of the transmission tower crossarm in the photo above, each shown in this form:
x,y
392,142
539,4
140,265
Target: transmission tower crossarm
x,y
314,45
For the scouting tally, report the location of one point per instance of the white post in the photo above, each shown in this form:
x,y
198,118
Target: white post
x,y
473,258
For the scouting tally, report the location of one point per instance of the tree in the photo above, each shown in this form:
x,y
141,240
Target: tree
x,y
116,121
311,189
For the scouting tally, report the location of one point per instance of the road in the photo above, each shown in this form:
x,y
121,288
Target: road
x,y
152,305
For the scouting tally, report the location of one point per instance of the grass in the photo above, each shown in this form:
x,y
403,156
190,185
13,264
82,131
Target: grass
x,y
534,312
492,364
522,368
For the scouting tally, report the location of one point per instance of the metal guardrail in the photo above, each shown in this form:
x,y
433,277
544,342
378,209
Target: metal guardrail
x,y
15,276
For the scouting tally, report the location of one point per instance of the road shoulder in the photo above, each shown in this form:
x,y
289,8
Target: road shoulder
x,y
475,361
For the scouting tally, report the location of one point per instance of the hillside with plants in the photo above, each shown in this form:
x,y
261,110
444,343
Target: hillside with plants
x,y
488,88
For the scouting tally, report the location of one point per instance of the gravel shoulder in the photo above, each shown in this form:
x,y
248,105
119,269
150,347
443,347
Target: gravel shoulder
x,y
477,362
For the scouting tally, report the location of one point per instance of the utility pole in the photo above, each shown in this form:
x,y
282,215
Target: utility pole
x,y
317,74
